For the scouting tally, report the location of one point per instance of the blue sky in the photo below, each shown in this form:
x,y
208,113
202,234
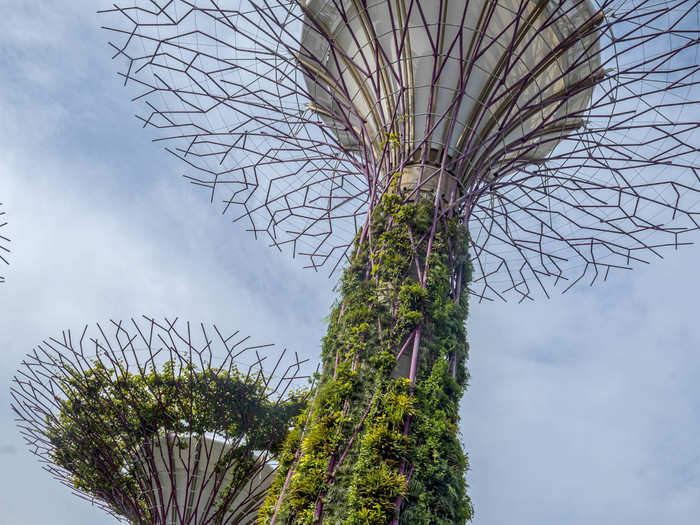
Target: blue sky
x,y
582,408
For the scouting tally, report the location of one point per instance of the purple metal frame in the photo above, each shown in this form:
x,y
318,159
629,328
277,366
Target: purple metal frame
x,y
223,82
135,347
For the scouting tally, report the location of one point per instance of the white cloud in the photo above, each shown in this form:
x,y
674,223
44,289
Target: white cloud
x,y
582,409
585,408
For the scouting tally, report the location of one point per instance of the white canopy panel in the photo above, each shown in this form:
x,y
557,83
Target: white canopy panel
x,y
491,82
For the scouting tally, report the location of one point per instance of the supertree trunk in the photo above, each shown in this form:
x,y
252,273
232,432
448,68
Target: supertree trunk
x,y
379,443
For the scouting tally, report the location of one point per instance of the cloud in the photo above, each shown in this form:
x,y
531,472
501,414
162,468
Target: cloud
x,y
84,253
583,408
103,226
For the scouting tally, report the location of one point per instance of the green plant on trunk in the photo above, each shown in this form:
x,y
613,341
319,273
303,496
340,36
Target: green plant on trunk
x,y
372,440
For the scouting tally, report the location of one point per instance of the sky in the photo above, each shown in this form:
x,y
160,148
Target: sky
x,y
584,408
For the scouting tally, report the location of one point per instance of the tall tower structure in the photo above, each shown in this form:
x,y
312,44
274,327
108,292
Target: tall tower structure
x,y
159,422
438,149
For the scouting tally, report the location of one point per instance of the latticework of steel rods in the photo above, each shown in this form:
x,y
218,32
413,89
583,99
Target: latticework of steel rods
x,y
157,455
4,242
224,85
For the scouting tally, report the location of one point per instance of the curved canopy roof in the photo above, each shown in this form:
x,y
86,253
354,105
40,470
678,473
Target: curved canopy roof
x,y
486,82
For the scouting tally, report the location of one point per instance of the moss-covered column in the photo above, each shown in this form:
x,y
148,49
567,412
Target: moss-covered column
x,y
378,444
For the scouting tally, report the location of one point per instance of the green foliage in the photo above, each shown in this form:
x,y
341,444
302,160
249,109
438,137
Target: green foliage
x,y
349,459
377,480
108,414
391,140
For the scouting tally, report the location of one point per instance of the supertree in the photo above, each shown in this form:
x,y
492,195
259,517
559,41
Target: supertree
x,y
437,149
4,241
160,421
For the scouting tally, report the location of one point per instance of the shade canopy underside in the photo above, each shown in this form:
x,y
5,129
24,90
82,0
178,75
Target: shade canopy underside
x,y
478,85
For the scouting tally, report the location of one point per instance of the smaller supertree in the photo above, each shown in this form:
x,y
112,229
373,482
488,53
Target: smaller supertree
x,y
160,422
4,241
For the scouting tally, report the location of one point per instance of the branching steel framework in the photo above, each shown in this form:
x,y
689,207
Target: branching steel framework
x,y
4,242
265,117
442,147
159,421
